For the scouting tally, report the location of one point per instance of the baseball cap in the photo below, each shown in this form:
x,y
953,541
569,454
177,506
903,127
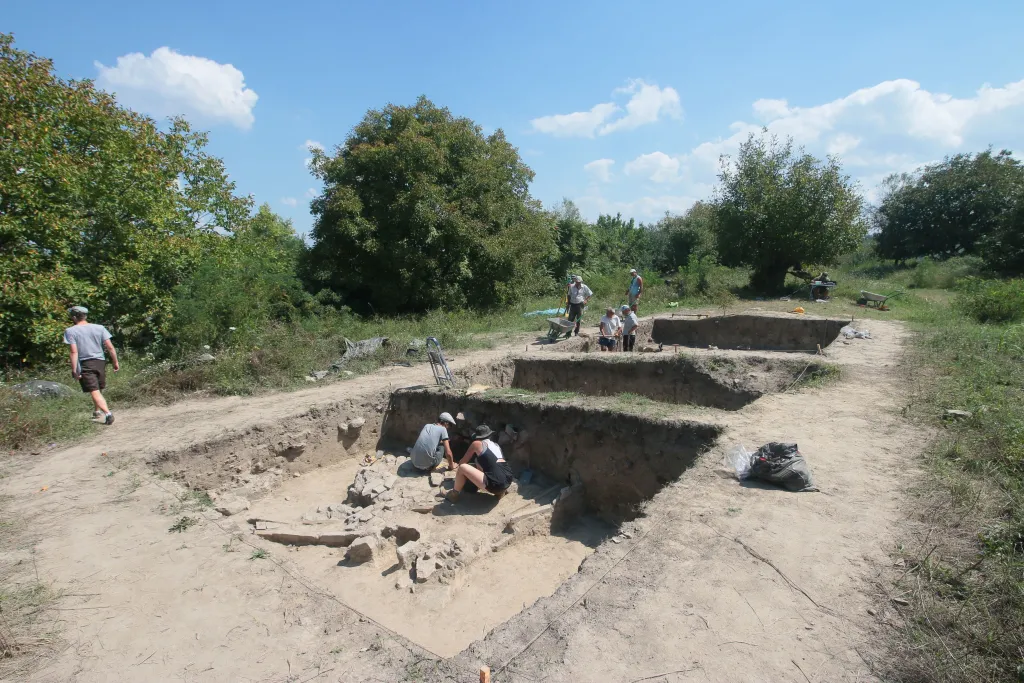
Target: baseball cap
x,y
447,417
80,310
624,308
632,270
577,278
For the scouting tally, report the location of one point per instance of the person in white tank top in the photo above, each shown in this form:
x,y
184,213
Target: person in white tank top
x,y
489,471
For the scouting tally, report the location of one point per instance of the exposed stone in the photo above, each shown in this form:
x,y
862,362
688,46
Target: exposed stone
x,y
365,549
318,374
407,554
959,414
366,515
347,373
205,358
39,388
228,505
425,568
258,467
356,424
436,478
390,480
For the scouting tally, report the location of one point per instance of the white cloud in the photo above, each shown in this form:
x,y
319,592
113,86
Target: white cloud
x,y
168,83
892,127
578,124
290,201
657,167
648,104
312,145
600,169
842,143
310,193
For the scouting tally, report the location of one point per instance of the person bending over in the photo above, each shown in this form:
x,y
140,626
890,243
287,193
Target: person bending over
x,y
88,364
432,445
490,471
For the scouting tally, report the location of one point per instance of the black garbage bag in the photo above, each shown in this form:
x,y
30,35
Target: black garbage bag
x,y
782,464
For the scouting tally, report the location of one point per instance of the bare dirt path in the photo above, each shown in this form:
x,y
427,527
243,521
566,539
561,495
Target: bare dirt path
x,y
720,582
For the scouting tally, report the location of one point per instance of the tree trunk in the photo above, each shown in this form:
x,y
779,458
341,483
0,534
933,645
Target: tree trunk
x,y
769,280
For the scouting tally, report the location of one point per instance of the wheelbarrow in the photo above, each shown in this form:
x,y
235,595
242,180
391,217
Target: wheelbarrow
x,y
875,300
559,326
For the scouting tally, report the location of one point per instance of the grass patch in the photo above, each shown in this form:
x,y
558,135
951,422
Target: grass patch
x,y
965,568
183,525
27,423
259,554
561,395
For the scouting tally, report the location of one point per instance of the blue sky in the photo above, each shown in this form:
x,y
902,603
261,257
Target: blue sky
x,y
618,106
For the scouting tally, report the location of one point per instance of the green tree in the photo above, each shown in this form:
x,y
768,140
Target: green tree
x,y
97,207
245,280
621,242
420,210
574,239
946,209
779,208
682,237
1002,247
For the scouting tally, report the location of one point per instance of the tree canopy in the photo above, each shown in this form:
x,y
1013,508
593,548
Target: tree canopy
x,y
420,210
97,207
946,209
778,207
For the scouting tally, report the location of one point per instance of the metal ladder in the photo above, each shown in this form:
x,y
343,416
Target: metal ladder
x,y
438,364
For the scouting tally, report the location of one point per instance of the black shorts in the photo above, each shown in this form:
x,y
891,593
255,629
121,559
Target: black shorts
x,y
499,478
607,342
94,375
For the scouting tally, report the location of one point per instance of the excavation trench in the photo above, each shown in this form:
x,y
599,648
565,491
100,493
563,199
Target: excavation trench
x,y
755,332
714,381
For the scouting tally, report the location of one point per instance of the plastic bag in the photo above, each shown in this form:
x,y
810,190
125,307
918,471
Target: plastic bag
x,y
851,333
737,458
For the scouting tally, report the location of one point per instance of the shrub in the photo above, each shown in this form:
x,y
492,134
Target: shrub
x,y
992,301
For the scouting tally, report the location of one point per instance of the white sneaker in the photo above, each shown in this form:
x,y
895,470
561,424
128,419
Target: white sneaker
x,y
98,413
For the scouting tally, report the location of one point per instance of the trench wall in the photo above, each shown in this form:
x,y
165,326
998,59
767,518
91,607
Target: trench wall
x,y
760,332
621,460
676,379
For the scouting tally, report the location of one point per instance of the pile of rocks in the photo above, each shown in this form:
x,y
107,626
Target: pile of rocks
x,y
372,485
440,559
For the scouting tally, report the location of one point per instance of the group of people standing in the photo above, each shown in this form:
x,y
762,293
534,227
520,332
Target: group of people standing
x,y
612,327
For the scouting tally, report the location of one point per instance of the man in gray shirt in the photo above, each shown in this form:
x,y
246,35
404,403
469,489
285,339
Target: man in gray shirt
x,y
432,445
88,364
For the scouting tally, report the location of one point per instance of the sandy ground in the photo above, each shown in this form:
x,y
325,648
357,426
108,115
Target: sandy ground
x,y
720,582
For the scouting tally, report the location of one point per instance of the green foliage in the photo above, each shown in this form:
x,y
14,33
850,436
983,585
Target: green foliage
x,y
574,239
97,207
1003,247
183,525
949,208
778,208
683,238
420,210
243,281
992,301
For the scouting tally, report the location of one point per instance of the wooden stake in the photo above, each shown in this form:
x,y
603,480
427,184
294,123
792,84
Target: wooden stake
x,y
485,674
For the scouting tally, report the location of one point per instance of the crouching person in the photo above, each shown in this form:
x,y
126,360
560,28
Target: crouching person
x,y
432,445
489,472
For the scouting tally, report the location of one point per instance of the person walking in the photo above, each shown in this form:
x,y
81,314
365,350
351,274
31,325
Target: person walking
x,y
636,289
629,325
88,363
579,295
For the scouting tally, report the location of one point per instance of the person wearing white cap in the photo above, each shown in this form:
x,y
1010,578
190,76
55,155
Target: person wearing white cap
x,y
629,325
579,295
432,445
636,289
88,363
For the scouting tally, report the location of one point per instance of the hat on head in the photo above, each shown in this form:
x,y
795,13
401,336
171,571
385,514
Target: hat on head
x,y
482,432
624,308
577,278
447,417
78,310
632,271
